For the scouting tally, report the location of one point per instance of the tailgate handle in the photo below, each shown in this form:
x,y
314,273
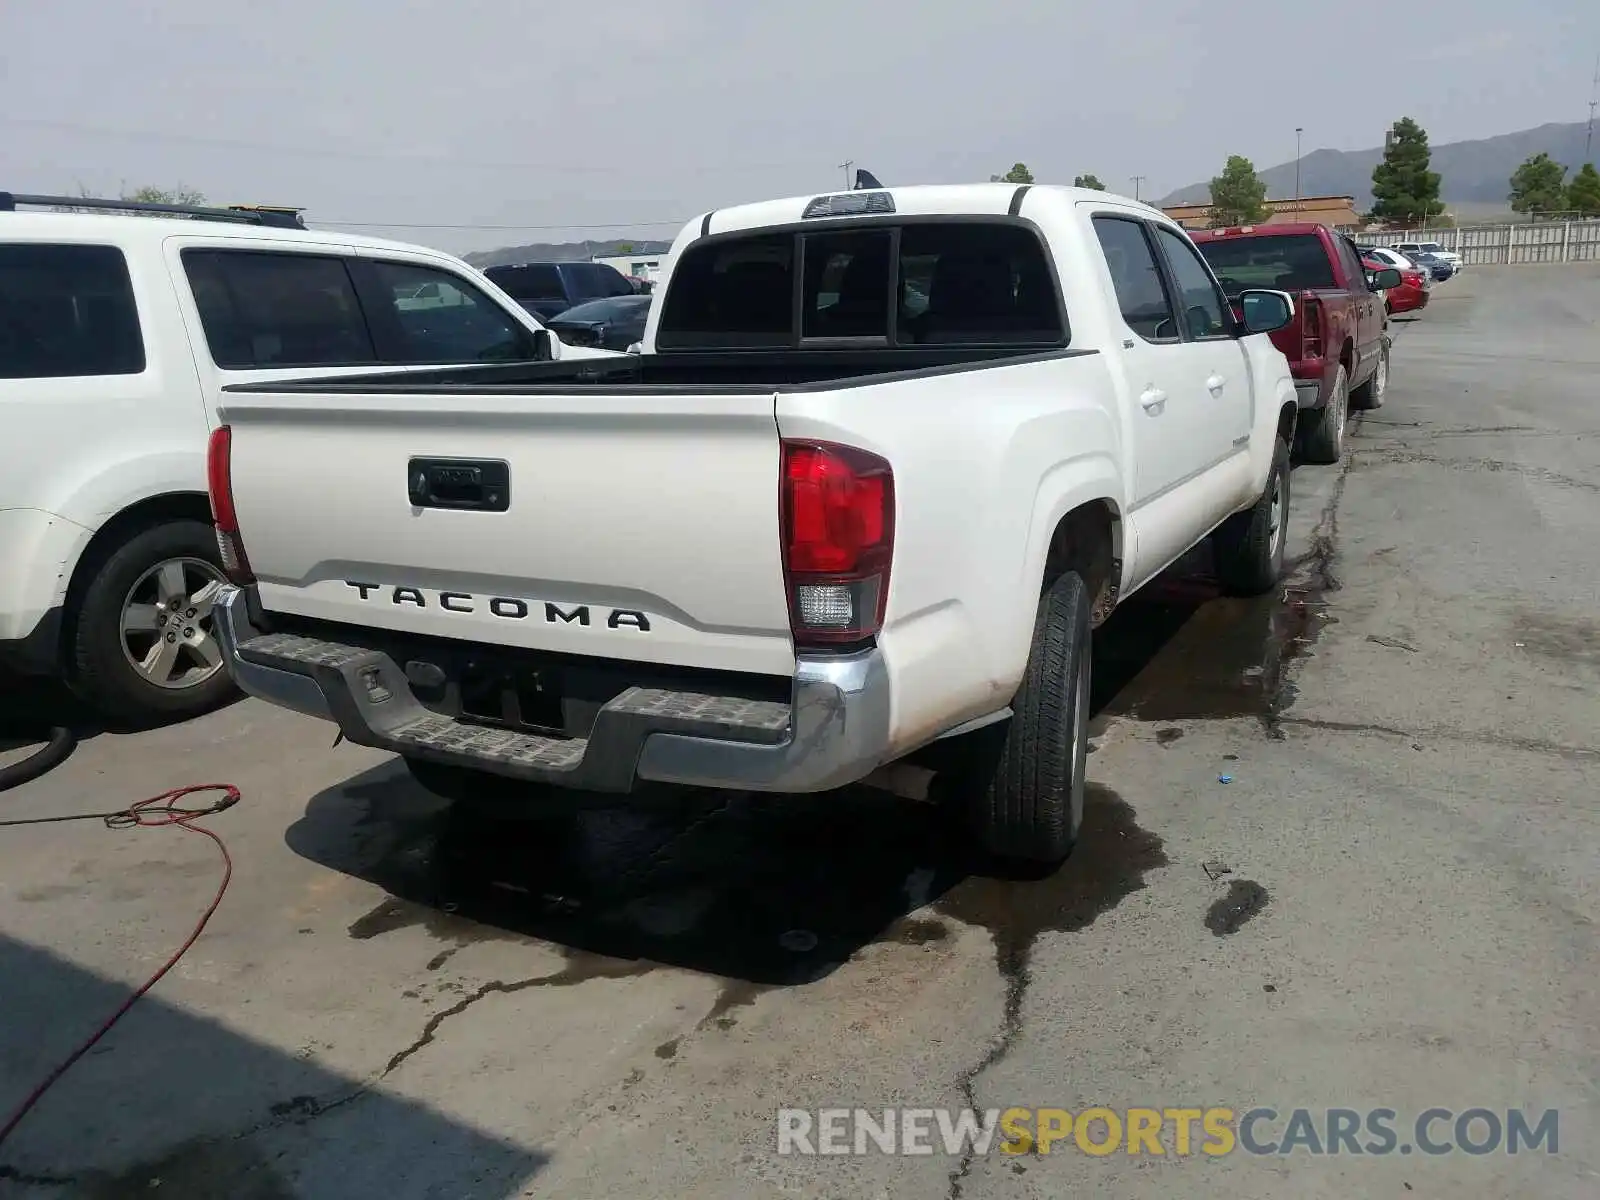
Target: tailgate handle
x,y
483,484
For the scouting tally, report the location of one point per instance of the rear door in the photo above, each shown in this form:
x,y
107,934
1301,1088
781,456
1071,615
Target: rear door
x,y
1217,369
1369,312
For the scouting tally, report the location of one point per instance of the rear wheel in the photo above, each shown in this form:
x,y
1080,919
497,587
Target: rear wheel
x,y
1020,787
1322,436
142,638
1370,394
1249,547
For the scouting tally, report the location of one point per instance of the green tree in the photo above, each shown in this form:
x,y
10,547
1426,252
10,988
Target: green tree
x,y
1089,181
1583,193
1019,173
1538,185
1238,197
624,247
1403,189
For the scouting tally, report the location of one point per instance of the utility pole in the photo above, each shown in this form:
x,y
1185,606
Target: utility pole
x,y
1594,99
1297,132
845,167
1137,180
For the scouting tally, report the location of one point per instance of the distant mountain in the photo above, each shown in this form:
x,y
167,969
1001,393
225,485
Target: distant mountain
x,y
564,252
1477,172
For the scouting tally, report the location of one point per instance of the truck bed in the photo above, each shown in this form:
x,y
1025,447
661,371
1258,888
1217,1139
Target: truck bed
x,y
701,372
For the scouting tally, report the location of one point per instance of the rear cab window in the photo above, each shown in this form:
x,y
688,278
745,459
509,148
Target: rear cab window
x,y
905,284
529,281
1293,262
67,310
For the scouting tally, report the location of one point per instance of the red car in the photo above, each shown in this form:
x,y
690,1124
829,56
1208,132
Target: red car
x,y
1412,293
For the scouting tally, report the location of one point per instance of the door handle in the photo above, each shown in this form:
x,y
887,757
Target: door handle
x,y
1152,397
1215,384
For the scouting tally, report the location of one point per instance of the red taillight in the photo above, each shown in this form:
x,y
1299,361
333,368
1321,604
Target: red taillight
x,y
219,481
837,524
1311,328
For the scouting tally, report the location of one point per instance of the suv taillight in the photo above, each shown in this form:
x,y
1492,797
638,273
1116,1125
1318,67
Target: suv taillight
x,y
219,481
836,507
1311,328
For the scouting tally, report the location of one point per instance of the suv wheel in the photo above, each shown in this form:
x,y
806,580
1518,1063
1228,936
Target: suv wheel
x,y
1021,782
142,638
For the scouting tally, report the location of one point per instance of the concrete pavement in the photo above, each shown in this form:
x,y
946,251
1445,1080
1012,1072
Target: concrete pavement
x,y
1391,904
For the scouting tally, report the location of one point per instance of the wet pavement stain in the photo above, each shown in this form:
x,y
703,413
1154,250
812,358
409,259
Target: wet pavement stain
x,y
1244,900
1165,737
735,994
917,931
668,1049
206,1170
1109,864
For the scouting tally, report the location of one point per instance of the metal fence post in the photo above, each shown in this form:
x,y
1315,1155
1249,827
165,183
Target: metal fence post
x,y
1566,238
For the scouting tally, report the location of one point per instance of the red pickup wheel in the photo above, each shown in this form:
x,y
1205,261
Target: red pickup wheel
x,y
1322,439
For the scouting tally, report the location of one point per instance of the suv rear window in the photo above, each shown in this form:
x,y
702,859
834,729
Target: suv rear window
x,y
917,284
1290,262
67,311
275,309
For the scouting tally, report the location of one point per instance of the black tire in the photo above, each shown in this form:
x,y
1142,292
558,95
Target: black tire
x,y
99,671
1322,429
1021,784
1249,546
1371,393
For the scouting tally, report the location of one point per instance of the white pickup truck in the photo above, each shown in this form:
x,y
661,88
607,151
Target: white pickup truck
x,y
887,458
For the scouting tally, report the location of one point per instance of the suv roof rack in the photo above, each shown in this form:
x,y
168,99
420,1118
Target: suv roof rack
x,y
248,214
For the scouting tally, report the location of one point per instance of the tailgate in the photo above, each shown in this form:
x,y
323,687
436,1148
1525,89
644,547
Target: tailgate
x,y
641,527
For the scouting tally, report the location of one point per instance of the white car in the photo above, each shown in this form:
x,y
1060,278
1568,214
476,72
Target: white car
x,y
797,539
1399,261
119,327
1434,248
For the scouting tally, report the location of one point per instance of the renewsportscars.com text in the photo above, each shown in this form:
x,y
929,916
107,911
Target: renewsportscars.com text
x,y
1162,1132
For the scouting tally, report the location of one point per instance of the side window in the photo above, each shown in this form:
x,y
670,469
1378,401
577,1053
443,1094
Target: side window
x,y
1352,264
67,311
845,292
442,318
612,281
1141,292
1203,312
267,309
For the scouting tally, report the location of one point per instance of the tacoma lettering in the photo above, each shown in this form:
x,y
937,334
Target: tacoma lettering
x,y
509,608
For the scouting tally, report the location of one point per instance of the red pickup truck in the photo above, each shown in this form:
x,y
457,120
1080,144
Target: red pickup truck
x,y
1338,343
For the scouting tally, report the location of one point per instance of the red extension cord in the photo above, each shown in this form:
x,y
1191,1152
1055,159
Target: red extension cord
x,y
159,810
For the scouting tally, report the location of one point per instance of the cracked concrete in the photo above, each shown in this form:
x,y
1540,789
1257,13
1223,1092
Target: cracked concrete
x,y
1392,902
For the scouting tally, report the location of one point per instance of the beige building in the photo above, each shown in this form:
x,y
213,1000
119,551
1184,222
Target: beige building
x,y
1338,211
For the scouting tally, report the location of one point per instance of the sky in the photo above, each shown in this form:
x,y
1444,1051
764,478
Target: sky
x,y
470,124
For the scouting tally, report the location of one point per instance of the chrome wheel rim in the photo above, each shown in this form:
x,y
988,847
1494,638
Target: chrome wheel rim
x,y
1341,399
1275,516
1382,383
168,632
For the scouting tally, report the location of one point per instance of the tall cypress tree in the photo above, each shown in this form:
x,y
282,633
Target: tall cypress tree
x,y
1403,189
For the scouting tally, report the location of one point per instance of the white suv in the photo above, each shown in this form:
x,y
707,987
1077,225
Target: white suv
x,y
118,330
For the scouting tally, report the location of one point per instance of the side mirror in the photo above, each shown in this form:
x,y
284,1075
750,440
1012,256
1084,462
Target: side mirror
x,y
542,350
1265,311
1385,279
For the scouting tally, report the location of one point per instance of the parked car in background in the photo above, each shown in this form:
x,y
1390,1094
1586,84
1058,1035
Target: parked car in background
x,y
745,559
1433,264
1336,345
1410,294
1390,257
614,323
118,333
1434,248
547,289
642,287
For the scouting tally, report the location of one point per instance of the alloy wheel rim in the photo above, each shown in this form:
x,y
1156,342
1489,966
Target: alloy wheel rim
x,y
168,633
1275,516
